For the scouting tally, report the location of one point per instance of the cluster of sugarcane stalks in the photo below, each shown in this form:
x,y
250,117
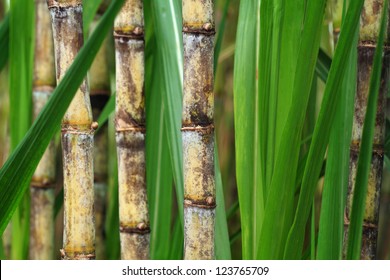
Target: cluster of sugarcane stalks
x,y
369,30
198,129
130,128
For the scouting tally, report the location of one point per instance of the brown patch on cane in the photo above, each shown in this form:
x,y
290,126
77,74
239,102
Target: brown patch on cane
x,y
130,100
198,159
132,174
198,98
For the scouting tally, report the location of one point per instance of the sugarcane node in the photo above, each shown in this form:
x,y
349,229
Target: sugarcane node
x,y
199,30
203,129
63,3
94,125
80,256
206,204
138,30
133,230
125,37
43,89
210,200
207,26
141,226
187,202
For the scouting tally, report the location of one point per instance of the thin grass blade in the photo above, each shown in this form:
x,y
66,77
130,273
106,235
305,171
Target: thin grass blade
x,y
331,228
167,26
366,148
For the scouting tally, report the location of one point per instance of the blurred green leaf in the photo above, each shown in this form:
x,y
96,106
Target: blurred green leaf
x,y
21,46
90,7
4,41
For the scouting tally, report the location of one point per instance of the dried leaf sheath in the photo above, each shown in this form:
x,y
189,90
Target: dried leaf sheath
x,y
43,181
100,92
198,129
130,131
77,137
369,30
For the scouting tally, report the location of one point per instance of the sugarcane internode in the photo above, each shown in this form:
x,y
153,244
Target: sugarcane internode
x,y
130,131
198,129
368,36
77,136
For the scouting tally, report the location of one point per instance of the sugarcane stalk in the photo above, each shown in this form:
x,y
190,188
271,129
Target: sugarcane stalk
x,y
77,136
369,30
43,180
198,129
130,131
100,92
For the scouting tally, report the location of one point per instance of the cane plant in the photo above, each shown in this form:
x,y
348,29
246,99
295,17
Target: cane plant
x,y
292,138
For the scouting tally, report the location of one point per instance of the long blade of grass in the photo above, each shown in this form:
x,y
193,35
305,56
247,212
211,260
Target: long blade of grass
x,y
4,41
246,123
167,26
331,228
222,244
158,169
322,130
16,173
293,13
89,11
366,148
279,207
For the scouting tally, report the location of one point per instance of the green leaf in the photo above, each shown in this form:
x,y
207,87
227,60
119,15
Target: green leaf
x,y
21,45
167,26
4,41
90,7
322,130
323,65
331,228
16,173
222,244
279,207
112,216
220,33
158,161
363,170
246,125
